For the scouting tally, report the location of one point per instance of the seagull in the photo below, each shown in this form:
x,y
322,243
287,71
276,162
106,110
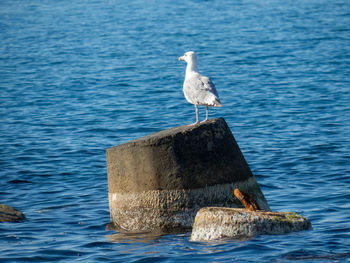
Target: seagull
x,y
198,89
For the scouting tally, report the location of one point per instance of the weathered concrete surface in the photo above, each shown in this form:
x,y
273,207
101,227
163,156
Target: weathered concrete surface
x,y
160,181
9,214
214,223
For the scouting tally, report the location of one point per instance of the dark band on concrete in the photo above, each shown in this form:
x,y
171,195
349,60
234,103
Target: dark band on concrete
x,y
185,157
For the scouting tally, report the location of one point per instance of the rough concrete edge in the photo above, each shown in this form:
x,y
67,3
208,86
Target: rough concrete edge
x,y
167,133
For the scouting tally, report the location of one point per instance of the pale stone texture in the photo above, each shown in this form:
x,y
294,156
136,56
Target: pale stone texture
x,y
213,223
160,181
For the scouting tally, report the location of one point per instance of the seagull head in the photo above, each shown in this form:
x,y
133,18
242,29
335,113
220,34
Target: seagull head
x,y
189,57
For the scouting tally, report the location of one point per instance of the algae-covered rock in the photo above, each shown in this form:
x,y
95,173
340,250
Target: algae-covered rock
x,y
10,214
214,223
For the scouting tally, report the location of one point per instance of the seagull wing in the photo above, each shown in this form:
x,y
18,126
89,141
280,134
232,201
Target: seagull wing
x,y
201,90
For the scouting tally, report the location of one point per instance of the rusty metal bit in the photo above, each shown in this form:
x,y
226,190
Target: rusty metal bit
x,y
248,202
238,194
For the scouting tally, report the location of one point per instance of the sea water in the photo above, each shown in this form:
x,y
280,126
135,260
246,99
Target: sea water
x,y
78,77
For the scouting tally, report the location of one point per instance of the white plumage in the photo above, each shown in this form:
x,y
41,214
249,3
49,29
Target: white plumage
x,y
198,89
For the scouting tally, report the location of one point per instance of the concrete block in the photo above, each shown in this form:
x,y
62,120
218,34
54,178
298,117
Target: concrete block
x,y
160,181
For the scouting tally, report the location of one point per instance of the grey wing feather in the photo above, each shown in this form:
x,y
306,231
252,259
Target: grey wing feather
x,y
209,85
200,90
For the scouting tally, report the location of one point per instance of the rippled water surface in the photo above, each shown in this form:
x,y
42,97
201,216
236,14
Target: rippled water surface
x,y
78,77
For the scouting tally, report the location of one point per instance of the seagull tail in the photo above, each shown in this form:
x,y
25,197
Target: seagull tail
x,y
217,103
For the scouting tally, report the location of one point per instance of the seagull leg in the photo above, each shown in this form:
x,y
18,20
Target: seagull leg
x,y
206,114
197,121
197,118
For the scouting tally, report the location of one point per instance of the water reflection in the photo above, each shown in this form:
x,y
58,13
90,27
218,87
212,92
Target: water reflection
x,y
134,237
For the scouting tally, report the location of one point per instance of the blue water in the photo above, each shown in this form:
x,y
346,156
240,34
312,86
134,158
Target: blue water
x,y
78,77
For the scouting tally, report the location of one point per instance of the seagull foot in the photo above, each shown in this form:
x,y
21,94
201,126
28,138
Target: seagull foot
x,y
193,123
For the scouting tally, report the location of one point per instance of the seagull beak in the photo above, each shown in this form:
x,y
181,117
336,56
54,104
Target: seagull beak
x,y
181,58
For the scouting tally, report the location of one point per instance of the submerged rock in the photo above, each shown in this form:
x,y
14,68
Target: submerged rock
x,y
214,223
10,214
160,181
